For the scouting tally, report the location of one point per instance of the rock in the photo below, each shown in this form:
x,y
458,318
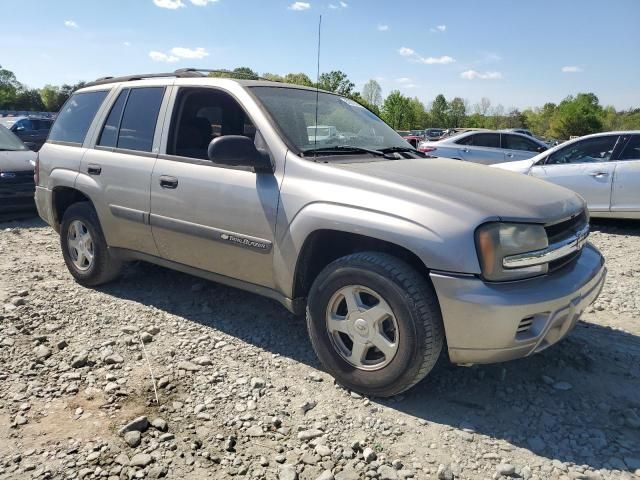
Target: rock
x,y
387,473
113,359
203,361
61,344
140,424
564,386
308,405
369,455
403,474
310,434
444,472
348,474
188,366
122,459
133,438
287,472
505,469
20,420
157,472
326,475
146,337
255,431
230,444
80,360
323,450
42,352
257,383
141,460
201,407
159,424
166,437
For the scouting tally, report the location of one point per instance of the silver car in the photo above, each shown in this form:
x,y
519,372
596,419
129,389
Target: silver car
x,y
604,168
486,147
388,254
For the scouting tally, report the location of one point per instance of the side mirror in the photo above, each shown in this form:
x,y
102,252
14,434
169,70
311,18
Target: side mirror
x,y
541,149
19,128
239,151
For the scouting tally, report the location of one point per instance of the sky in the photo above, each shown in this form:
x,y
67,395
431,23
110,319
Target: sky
x,y
516,53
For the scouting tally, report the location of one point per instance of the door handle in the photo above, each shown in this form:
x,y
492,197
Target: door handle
x,y
93,169
168,182
599,174
510,155
465,150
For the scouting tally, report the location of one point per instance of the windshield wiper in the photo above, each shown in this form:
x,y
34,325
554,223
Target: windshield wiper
x,y
347,149
397,149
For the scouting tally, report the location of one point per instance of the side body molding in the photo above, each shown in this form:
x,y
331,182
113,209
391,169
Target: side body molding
x,y
338,217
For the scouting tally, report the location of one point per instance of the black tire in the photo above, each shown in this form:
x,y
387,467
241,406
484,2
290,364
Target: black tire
x,y
415,307
104,267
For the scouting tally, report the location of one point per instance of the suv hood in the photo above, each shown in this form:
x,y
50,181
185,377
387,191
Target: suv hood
x,y
471,191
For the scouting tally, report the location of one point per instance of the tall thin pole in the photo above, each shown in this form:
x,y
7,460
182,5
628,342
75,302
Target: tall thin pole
x,y
315,136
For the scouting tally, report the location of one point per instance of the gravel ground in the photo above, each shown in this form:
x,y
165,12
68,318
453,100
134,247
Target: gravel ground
x,y
240,393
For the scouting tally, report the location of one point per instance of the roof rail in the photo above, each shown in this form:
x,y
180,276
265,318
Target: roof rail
x,y
180,73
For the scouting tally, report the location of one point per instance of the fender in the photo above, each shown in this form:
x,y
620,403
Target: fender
x,y
330,216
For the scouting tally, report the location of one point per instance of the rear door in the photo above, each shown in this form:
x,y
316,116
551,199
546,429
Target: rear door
x,y
117,170
585,168
518,147
625,194
481,148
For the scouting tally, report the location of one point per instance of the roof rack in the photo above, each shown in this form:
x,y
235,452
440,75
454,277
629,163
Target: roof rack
x,y
180,73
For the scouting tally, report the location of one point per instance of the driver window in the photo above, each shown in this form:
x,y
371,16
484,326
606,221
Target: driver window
x,y
590,150
200,115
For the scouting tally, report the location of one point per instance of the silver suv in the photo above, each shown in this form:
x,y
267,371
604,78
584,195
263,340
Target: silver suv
x,y
389,253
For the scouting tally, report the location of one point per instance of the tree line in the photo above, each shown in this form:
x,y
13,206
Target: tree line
x,y
575,115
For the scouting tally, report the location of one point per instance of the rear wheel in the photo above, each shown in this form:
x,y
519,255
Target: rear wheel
x,y
84,247
374,323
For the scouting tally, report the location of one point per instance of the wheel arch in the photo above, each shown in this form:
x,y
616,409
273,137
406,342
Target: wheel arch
x,y
62,197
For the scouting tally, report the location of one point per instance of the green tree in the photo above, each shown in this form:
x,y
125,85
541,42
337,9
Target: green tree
x,y
274,77
417,118
28,99
372,93
396,110
336,81
241,73
9,87
50,96
457,112
439,109
298,79
579,115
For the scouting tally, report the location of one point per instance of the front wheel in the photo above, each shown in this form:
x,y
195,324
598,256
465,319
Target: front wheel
x,y
84,247
375,323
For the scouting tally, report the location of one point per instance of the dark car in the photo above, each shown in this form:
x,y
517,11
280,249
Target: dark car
x,y
33,131
17,187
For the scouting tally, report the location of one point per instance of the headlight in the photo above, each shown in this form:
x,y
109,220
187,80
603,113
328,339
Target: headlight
x,y
495,241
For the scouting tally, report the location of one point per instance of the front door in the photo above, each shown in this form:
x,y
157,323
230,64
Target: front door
x,y
585,168
518,147
205,215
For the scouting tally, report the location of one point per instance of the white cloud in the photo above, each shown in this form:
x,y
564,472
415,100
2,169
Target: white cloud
x,y
162,57
126,44
170,4
571,69
344,4
383,28
472,75
202,3
70,24
414,56
439,28
178,53
182,52
333,6
299,6
403,80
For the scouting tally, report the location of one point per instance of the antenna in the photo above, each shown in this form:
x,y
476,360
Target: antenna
x,y
315,136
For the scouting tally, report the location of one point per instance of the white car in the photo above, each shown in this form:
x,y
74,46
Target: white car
x,y
604,168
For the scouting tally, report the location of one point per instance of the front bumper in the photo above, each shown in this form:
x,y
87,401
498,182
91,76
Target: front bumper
x,y
496,322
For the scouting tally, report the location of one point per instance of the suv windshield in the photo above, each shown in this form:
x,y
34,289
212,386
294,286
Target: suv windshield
x,y
340,121
9,142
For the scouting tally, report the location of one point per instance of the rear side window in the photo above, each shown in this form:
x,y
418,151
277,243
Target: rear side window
x,y
139,119
515,142
76,116
486,140
632,150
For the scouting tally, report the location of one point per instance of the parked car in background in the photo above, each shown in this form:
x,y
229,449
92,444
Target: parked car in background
x,y
523,131
485,147
604,168
33,131
321,133
16,174
413,140
433,134
386,252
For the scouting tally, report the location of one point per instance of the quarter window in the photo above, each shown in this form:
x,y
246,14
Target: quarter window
x,y
138,123
590,150
76,116
632,150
